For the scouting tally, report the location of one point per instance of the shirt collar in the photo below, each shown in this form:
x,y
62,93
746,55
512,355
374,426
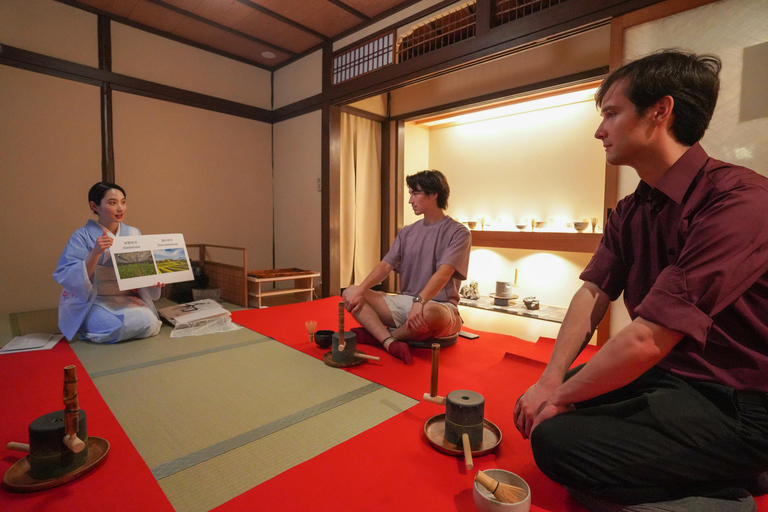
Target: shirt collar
x,y
675,183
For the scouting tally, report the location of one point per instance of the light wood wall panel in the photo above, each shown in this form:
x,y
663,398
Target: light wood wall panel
x,y
374,104
415,159
143,55
299,80
50,147
200,173
297,146
50,28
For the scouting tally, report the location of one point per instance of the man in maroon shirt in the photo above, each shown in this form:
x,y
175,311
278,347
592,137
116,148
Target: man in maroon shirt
x,y
671,412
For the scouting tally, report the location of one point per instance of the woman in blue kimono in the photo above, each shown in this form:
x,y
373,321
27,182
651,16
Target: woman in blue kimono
x,y
91,302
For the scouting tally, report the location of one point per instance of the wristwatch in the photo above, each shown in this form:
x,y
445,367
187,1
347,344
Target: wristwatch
x,y
419,299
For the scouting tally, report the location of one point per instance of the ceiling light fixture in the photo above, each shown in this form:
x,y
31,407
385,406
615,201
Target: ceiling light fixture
x,y
268,55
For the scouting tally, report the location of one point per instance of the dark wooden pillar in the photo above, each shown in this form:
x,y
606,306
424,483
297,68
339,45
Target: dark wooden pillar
x,y
331,199
105,64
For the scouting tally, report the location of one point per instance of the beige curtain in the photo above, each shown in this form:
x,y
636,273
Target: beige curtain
x,y
360,228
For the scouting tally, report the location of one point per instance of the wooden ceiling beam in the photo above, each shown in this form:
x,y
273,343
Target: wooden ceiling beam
x,y
219,26
351,10
280,17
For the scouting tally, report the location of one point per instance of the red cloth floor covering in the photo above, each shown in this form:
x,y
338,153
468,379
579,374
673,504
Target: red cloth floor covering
x,y
393,466
389,467
32,386
468,357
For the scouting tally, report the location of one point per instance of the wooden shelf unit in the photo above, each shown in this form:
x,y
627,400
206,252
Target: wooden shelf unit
x,y
538,241
303,284
546,241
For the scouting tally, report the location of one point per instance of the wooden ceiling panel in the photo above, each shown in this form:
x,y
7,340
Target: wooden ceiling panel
x,y
252,51
331,20
373,7
292,9
187,5
264,27
228,42
198,31
320,15
224,12
120,8
156,17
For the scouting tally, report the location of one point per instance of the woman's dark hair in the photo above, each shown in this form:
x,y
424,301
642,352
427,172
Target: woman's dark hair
x,y
100,189
691,80
431,182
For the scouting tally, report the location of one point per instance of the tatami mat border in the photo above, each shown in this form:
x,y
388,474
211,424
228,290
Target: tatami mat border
x,y
146,364
200,456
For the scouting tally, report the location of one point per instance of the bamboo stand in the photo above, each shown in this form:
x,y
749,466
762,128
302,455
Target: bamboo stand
x,y
71,411
342,341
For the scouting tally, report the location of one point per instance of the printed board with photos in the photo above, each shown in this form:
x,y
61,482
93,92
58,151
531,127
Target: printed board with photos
x,y
146,260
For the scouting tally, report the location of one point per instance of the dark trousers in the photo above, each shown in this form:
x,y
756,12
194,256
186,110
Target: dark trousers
x,y
659,438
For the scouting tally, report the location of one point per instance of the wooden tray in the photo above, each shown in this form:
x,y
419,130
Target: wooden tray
x,y
434,429
328,359
17,477
278,272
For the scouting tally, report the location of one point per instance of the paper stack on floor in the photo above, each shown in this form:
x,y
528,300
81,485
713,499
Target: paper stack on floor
x,y
199,317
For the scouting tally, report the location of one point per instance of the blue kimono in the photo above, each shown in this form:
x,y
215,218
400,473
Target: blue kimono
x,y
96,308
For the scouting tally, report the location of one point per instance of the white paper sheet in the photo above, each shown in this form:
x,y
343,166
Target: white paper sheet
x,y
30,342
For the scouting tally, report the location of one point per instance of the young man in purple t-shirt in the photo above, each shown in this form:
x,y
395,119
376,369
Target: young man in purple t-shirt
x,y
672,413
432,257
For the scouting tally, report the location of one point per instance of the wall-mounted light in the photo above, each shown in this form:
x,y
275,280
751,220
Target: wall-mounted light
x,y
518,106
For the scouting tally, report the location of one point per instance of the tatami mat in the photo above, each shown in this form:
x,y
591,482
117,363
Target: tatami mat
x,y
215,415
106,359
194,489
217,396
101,359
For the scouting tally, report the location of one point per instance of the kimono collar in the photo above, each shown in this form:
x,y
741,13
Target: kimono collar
x,y
97,229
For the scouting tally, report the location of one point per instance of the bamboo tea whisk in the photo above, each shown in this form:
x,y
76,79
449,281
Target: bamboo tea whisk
x,y
311,327
505,493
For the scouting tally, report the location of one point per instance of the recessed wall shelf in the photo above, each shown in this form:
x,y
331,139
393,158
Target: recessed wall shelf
x,y
537,241
516,307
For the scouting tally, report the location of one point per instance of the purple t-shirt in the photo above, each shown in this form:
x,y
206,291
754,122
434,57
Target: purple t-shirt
x,y
691,255
419,249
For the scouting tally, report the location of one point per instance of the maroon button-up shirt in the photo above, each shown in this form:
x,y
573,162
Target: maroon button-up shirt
x,y
691,255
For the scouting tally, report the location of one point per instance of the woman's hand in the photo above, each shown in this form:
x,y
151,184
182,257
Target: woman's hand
x,y
103,243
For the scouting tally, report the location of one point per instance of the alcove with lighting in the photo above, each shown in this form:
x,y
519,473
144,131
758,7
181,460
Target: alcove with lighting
x,y
522,171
